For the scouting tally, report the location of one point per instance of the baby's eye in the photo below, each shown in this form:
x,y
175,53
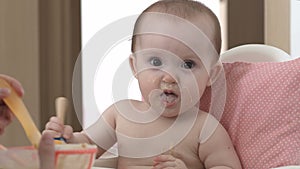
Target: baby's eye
x,y
188,64
155,61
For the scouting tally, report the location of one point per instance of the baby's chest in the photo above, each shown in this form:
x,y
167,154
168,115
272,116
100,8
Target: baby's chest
x,y
141,141
135,129
190,158
137,156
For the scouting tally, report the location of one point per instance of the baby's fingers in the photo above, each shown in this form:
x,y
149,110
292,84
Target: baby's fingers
x,y
168,162
55,127
165,165
55,119
52,133
55,124
56,130
163,161
164,158
68,132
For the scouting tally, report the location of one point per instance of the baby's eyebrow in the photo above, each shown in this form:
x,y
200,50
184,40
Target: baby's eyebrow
x,y
190,56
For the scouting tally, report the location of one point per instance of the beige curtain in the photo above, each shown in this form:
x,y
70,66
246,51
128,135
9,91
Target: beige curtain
x,y
19,57
39,44
60,44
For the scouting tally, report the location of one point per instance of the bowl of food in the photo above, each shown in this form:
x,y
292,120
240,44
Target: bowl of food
x,y
67,156
75,156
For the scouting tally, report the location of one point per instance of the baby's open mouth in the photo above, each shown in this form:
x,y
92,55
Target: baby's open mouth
x,y
169,98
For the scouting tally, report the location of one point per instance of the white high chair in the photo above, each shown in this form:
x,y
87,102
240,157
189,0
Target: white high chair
x,y
243,53
255,53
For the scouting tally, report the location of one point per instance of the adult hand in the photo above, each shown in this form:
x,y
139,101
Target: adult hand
x,y
14,83
46,152
5,113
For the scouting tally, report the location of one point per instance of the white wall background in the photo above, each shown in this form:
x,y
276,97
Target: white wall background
x,y
295,28
97,14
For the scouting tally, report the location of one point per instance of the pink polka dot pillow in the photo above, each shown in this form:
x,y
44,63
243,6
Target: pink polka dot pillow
x,y
262,112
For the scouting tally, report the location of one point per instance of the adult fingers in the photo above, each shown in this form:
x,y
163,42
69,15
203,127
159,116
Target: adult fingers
x,y
4,92
14,83
46,152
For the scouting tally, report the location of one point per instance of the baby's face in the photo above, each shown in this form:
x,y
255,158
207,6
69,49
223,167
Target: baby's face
x,y
170,75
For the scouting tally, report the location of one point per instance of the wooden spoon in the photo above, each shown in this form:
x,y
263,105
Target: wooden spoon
x,y
61,106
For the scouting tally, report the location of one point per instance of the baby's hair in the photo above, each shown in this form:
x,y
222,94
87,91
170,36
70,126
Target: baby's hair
x,y
186,9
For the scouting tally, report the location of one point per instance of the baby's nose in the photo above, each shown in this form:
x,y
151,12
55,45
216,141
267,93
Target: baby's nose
x,y
168,78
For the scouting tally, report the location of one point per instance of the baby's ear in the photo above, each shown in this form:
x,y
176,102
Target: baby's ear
x,y
214,73
132,62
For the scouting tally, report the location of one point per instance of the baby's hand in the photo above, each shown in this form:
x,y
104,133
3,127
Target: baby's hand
x,y
56,128
168,161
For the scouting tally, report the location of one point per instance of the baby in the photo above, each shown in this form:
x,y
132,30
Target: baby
x,y
175,56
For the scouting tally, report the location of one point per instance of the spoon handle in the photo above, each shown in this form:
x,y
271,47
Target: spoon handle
x,y
18,108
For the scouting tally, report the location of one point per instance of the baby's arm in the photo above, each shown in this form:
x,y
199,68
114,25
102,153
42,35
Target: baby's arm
x,y
101,131
217,152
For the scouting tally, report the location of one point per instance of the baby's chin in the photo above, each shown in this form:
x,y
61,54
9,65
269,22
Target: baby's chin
x,y
169,114
172,113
